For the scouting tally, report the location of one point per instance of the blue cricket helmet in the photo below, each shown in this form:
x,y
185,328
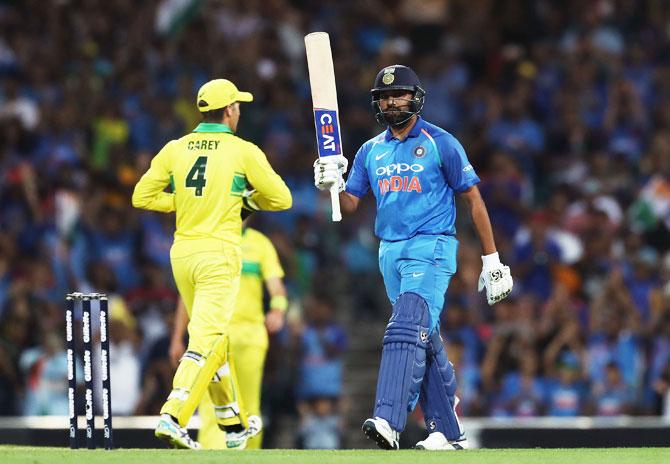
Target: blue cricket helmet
x,y
397,77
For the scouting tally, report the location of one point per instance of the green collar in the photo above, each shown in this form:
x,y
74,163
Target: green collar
x,y
213,127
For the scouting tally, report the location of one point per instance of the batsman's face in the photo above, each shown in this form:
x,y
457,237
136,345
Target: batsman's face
x,y
395,100
395,104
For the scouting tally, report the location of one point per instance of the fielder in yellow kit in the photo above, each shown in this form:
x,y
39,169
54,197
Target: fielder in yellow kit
x,y
209,171
249,329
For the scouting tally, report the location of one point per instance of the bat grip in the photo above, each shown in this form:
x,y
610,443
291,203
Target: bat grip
x,y
335,202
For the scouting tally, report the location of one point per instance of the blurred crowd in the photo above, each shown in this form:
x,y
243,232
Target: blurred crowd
x,y
563,108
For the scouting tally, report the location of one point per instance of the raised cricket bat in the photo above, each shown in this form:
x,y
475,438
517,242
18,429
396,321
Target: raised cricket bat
x,y
324,101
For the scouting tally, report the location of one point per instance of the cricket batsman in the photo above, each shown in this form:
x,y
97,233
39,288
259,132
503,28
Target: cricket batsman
x,y
249,329
208,171
414,170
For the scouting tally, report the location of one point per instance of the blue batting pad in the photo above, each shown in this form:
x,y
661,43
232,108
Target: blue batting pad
x,y
438,392
403,360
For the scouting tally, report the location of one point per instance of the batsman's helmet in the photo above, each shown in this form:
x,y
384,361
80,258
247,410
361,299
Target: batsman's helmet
x,y
397,77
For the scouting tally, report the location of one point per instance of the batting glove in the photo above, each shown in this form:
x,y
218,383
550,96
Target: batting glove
x,y
496,278
329,170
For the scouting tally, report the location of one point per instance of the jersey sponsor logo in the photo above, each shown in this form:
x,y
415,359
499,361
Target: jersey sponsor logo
x,y
468,168
395,181
327,132
378,157
399,184
398,168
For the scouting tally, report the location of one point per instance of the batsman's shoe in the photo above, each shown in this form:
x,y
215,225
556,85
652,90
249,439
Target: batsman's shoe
x,y
238,440
380,432
173,434
436,441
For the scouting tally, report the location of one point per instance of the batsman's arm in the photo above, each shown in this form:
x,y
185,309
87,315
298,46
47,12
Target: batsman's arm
x,y
480,218
150,192
348,202
358,182
271,192
495,277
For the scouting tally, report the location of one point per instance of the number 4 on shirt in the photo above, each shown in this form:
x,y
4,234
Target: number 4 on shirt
x,y
196,176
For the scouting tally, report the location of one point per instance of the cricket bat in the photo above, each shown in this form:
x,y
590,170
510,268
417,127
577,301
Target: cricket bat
x,y
324,101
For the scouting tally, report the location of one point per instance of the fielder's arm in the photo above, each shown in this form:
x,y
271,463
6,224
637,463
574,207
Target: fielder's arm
x,y
480,218
271,192
150,192
274,319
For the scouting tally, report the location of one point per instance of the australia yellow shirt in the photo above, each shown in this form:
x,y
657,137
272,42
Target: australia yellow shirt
x,y
259,263
208,171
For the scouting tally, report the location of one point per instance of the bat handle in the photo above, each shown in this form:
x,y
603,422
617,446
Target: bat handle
x,y
335,202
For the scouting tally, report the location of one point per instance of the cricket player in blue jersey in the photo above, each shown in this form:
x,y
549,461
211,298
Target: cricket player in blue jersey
x,y
414,170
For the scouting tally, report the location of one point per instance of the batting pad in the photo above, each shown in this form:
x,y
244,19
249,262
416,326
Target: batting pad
x,y
403,360
193,375
224,392
438,393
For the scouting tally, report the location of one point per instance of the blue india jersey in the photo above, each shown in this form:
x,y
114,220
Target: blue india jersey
x,y
413,181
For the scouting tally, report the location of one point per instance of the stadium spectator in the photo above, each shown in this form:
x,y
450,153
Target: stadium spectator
x,y
565,391
612,397
319,387
569,118
521,391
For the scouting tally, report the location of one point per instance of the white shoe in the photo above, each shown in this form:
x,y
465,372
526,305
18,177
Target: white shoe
x,y
238,440
436,441
380,432
173,434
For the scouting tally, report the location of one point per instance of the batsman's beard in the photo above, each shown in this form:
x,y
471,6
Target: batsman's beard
x,y
397,118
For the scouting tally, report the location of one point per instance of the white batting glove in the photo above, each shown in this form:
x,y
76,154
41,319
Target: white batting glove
x,y
496,278
329,170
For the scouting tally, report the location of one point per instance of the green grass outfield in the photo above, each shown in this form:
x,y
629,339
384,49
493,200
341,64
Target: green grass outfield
x,y
32,455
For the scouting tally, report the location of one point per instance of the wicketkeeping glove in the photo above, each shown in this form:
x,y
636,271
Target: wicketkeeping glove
x,y
249,206
329,170
496,278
